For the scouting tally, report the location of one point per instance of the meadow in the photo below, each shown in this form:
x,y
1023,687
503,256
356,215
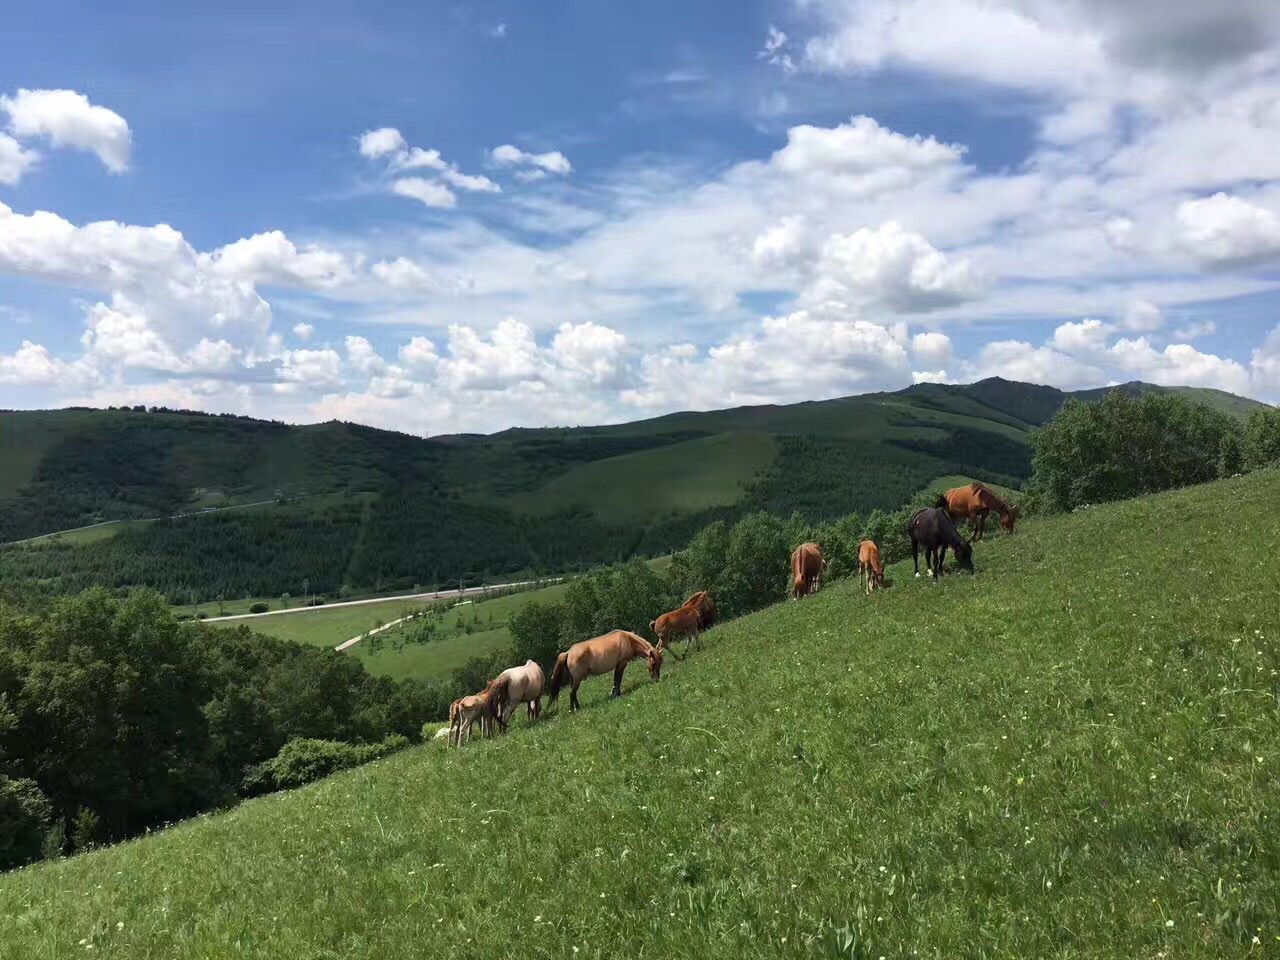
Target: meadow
x,y
1073,753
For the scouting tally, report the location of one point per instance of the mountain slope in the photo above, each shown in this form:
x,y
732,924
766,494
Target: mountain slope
x,y
1072,753
400,510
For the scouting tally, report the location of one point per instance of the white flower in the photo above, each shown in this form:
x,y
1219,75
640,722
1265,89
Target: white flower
x,y
1169,924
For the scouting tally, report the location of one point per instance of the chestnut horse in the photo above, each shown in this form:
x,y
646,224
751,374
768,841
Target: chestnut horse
x,y
869,565
974,502
934,528
685,620
517,685
465,711
610,651
806,570
706,607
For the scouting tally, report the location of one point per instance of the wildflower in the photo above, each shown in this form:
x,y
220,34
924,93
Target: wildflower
x,y
1169,924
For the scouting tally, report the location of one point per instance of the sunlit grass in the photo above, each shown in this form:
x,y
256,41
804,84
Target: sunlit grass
x,y
1072,754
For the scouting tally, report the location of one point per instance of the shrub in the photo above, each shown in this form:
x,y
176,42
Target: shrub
x,y
25,817
306,759
258,607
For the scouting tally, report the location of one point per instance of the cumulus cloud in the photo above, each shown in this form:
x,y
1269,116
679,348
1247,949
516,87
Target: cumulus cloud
x,y
31,365
430,193
67,119
303,331
894,266
389,145
1225,230
931,349
273,258
531,166
1142,316
15,160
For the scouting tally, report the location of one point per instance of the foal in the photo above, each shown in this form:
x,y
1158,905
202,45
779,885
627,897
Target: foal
x,y
869,565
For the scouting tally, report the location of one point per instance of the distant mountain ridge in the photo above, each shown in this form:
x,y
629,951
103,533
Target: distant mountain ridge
x,y
392,509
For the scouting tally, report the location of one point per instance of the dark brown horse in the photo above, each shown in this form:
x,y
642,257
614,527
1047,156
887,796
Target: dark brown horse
x,y
934,529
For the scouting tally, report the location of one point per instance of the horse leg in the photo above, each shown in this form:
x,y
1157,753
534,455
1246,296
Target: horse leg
x,y
689,637
942,557
617,679
573,696
915,555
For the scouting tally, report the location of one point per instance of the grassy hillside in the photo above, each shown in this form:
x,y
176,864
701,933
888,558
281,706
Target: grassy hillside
x,y
1073,753
394,510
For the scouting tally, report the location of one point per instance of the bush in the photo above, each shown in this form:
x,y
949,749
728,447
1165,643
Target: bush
x,y
1125,446
25,817
258,607
304,760
1261,444
757,565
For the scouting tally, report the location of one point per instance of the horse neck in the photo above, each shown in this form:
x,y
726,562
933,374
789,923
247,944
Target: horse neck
x,y
640,647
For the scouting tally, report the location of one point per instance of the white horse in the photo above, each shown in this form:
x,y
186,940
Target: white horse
x,y
517,685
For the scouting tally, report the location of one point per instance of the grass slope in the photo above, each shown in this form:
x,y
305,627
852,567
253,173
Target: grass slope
x,y
1073,754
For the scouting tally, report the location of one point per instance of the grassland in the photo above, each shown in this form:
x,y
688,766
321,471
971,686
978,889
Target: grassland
x,y
1074,753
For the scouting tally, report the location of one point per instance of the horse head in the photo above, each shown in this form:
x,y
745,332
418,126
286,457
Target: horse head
x,y
964,556
654,656
1008,518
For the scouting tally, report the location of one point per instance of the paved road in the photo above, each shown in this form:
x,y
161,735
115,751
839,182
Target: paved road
x,y
435,595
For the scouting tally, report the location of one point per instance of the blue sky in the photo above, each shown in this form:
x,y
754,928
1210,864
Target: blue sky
x,y
441,217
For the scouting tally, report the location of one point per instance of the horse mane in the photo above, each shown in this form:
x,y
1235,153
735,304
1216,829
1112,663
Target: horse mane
x,y
941,502
982,490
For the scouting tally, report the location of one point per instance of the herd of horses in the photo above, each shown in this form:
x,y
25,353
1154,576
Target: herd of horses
x,y
933,528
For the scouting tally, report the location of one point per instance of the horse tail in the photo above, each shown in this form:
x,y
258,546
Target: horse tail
x,y
653,626
501,693
558,675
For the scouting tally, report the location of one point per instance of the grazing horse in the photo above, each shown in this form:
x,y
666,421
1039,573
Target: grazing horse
x,y
806,570
706,607
685,620
517,685
869,565
465,711
975,501
610,651
934,528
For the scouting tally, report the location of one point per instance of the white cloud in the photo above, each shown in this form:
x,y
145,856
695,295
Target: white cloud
x,y
1142,316
1192,331
589,350
31,365
1225,230
774,52
553,161
15,160
303,331
428,192
273,258
315,371
474,183
362,357
933,349
781,245
67,119
894,266
382,142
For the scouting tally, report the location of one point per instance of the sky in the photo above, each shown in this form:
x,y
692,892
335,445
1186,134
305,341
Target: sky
x,y
443,217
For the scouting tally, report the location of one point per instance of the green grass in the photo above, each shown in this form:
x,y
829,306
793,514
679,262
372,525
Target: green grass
x,y
678,478
328,627
1074,753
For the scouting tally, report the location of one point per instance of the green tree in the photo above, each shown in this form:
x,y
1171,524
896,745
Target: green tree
x,y
25,818
1124,446
757,565
1261,444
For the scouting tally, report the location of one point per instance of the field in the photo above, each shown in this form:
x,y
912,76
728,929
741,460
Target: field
x,y
1074,753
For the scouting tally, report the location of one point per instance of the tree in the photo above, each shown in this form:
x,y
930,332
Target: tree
x,y
1124,446
757,565
1261,444
25,819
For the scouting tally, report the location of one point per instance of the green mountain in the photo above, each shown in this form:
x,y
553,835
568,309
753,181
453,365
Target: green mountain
x,y
1070,754
337,504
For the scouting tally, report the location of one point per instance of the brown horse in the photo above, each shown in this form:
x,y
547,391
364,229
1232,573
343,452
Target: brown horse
x,y
869,565
610,651
465,711
706,607
974,502
685,620
806,570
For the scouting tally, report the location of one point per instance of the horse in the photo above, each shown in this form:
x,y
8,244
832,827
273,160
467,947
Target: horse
x,y
684,620
609,651
975,501
706,607
806,570
869,565
465,711
517,685
934,528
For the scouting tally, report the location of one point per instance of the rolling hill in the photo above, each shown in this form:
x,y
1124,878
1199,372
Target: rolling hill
x,y
1072,753
357,508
